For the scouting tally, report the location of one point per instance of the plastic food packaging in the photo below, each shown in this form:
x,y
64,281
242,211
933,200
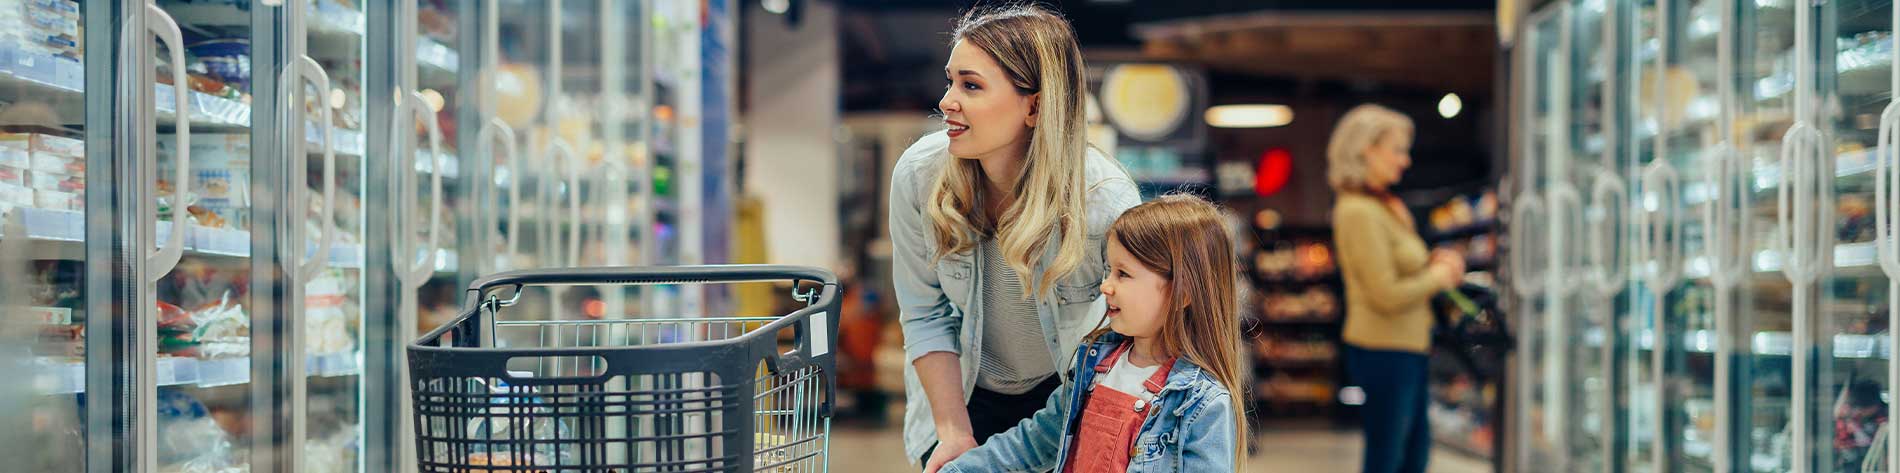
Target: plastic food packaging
x,y
51,162
220,177
501,426
57,182
189,440
56,200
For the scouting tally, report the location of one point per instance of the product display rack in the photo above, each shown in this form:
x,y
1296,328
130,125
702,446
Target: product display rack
x,y
1292,321
259,329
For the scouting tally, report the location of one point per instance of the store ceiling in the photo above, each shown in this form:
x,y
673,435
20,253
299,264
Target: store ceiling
x,y
895,49
1451,51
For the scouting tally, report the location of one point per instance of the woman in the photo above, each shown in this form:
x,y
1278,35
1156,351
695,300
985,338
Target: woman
x,y
1390,281
997,231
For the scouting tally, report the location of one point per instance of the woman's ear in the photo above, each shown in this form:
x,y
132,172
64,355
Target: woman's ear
x,y
1035,106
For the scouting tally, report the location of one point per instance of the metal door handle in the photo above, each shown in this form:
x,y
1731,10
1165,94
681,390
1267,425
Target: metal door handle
x,y
1797,196
1566,206
1530,282
298,71
1662,243
161,261
564,157
411,269
1728,257
1886,196
498,131
1607,193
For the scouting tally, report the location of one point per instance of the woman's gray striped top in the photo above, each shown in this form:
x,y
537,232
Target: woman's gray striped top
x,y
1015,356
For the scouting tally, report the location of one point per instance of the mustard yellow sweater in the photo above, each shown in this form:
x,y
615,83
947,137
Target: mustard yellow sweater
x,y
1388,285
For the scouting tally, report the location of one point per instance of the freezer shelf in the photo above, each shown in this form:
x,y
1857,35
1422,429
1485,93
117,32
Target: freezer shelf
x,y
57,377
327,18
1846,346
63,226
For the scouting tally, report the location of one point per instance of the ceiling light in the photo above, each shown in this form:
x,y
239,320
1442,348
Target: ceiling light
x,y
1249,116
777,7
1450,105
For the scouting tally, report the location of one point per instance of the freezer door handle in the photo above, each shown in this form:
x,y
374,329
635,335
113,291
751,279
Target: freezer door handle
x,y
1609,195
570,253
1797,199
292,80
413,269
161,261
1661,239
492,133
1529,282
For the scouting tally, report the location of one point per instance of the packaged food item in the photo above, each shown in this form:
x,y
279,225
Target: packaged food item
x,y
15,194
325,321
59,182
13,175
56,200
58,164
15,155
220,177
41,143
50,315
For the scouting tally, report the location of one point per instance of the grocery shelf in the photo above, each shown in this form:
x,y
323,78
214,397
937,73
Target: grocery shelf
x,y
327,18
64,377
67,229
1767,343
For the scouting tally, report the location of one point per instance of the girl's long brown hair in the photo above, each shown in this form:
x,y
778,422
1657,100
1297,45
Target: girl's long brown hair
x,y
1183,238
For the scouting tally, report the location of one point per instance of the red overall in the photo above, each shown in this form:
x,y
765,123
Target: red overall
x,y
1111,420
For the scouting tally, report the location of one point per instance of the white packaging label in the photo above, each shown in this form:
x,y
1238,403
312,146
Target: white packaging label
x,y
820,334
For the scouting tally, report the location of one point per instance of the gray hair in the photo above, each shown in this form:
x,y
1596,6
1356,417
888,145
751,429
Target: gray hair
x,y
1357,131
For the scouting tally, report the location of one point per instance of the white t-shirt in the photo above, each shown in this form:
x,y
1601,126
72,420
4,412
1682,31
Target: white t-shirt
x,y
1128,378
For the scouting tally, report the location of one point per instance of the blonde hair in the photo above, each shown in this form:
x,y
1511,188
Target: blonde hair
x,y
1185,240
1038,54
1359,130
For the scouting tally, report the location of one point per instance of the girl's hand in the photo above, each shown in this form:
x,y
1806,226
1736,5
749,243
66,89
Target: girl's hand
x,y
949,448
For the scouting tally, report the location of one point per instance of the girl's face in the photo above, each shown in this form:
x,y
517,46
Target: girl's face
x,y
1387,159
985,114
1137,296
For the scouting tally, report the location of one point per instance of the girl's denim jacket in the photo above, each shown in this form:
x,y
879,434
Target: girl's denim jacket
x,y
1193,431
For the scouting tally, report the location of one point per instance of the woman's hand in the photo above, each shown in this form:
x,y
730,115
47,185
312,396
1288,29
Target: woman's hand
x,y
1449,267
948,448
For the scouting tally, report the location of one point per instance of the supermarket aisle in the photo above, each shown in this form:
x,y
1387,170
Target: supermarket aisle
x,y
856,449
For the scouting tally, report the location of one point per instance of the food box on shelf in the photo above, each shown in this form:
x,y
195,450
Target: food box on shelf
x,y
220,174
59,164
41,143
13,175
59,182
56,200
50,315
14,154
16,195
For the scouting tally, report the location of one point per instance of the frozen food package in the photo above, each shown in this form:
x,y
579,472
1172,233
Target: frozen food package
x,y
56,200
58,145
47,181
220,175
55,163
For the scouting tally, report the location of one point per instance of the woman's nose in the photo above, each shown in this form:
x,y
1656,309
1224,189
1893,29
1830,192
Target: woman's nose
x,y
944,104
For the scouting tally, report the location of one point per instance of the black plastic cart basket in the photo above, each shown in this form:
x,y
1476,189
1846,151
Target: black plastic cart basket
x,y
693,394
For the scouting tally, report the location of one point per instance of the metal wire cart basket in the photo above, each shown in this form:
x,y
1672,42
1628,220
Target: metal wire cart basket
x,y
701,394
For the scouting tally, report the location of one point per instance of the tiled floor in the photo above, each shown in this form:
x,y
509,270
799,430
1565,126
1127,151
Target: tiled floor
x,y
1297,450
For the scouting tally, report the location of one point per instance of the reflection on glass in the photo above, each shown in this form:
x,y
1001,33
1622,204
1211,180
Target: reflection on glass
x,y
1853,389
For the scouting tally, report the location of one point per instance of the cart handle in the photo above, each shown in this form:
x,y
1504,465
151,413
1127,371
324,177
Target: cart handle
x,y
651,275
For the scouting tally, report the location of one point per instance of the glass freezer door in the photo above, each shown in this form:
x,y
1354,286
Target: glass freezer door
x,y
1541,418
1853,384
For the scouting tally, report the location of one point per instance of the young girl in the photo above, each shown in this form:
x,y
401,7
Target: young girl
x,y
1155,390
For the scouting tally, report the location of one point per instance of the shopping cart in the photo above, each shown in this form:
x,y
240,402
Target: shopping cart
x,y
711,394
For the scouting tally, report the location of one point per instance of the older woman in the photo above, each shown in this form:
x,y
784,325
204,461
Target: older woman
x,y
1390,280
